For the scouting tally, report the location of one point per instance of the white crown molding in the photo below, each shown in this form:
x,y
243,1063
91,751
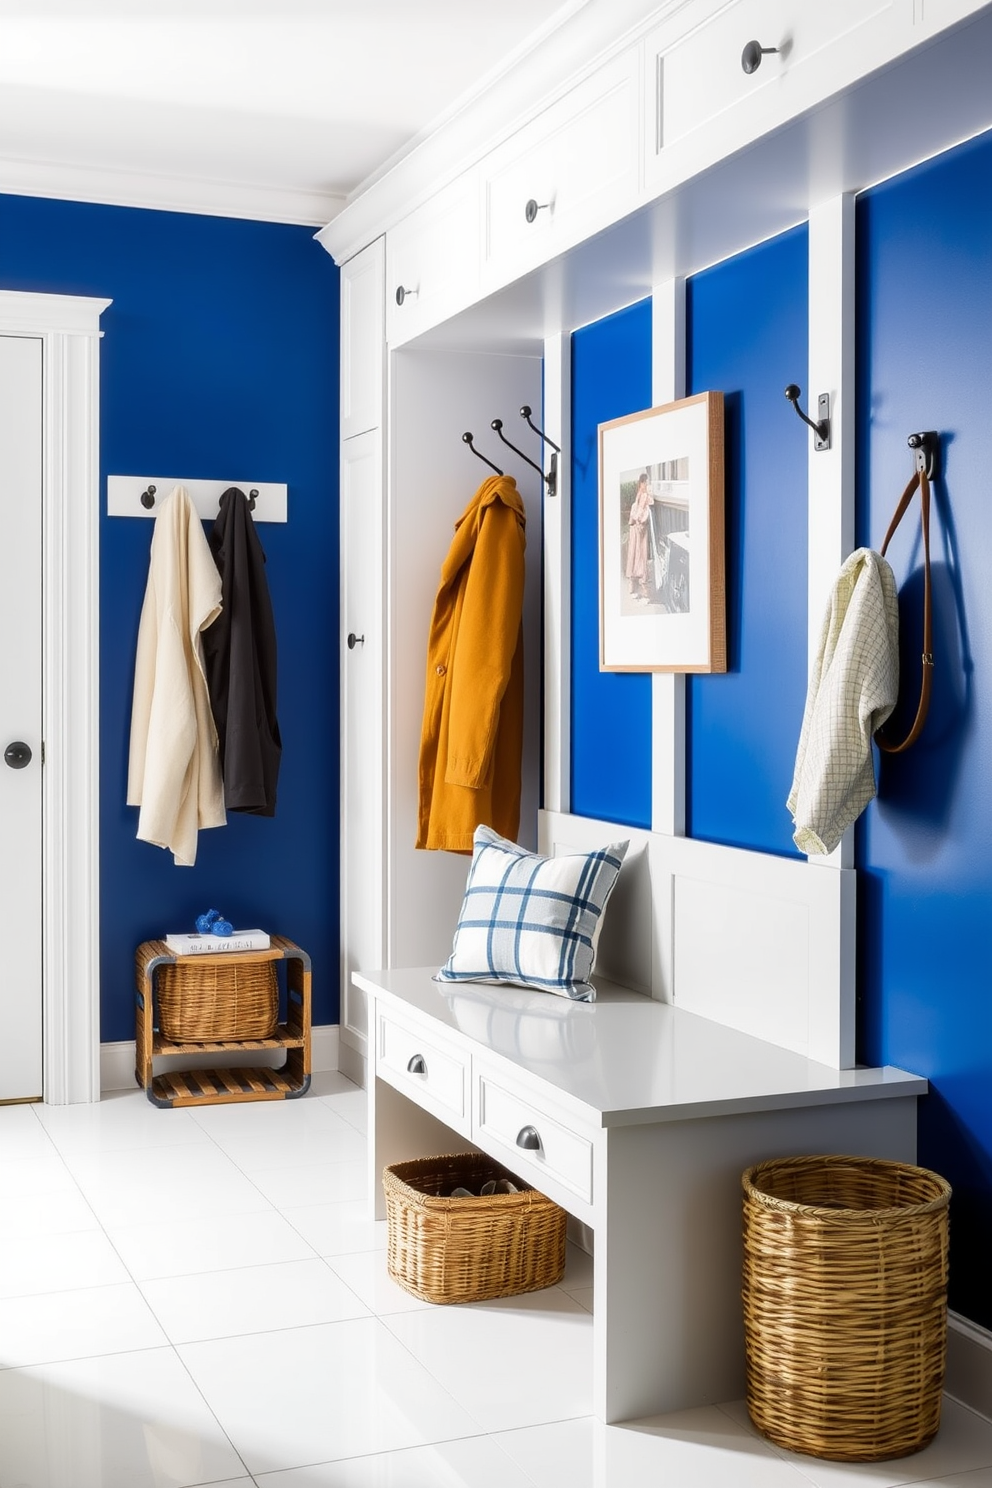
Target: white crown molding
x,y
558,60
24,313
200,197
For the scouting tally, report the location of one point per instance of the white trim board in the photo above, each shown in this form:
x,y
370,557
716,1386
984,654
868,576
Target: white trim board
x,y
757,942
69,330
124,496
969,1364
117,1061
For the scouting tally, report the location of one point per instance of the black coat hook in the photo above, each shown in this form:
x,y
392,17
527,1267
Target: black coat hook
x,y
147,498
927,448
252,498
552,476
497,424
467,438
525,413
821,427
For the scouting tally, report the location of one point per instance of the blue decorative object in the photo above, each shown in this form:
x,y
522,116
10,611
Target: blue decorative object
x,y
213,923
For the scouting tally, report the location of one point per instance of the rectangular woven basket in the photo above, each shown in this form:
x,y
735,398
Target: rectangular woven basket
x,y
845,1304
469,1250
212,1001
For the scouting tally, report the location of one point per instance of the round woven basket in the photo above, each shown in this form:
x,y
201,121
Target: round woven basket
x,y
845,1304
212,1001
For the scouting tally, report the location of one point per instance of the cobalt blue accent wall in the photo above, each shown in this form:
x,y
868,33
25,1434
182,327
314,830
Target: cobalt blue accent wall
x,y
219,360
611,711
925,362
746,333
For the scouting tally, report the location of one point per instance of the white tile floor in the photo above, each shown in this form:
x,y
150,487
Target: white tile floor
x,y
197,1296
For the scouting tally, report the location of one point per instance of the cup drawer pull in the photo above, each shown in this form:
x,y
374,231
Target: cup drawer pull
x,y
417,1065
529,1138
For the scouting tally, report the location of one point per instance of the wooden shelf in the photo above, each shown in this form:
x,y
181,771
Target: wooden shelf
x,y
224,1084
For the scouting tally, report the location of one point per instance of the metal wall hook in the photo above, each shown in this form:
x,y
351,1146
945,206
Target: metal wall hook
x,y
252,498
147,497
820,427
467,438
752,54
552,476
926,447
525,413
497,424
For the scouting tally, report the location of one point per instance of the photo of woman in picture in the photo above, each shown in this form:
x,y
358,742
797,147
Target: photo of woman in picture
x,y
637,540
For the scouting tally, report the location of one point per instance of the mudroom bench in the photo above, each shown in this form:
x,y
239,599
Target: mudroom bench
x,y
638,1117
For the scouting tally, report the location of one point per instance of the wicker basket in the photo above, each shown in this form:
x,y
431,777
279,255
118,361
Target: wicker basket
x,y
468,1250
845,1304
202,1001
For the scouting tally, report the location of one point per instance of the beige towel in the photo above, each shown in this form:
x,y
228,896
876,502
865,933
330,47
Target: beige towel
x,y
174,768
852,690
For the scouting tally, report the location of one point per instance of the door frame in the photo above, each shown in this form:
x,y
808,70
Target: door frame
x,y
69,328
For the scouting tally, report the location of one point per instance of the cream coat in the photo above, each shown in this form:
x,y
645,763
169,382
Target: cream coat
x,y
174,768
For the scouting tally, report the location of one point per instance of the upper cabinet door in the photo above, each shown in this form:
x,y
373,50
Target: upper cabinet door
x,y
432,260
362,343
706,104
567,174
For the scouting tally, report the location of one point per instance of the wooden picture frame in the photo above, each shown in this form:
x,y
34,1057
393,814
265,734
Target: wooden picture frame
x,y
662,605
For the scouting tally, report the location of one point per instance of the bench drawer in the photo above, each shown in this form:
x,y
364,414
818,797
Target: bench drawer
x,y
430,1073
534,1142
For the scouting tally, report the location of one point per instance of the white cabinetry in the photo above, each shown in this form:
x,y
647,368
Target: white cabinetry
x,y
362,341
361,627
703,106
432,261
565,174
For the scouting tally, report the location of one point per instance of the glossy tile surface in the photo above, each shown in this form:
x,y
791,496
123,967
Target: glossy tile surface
x,y
200,1297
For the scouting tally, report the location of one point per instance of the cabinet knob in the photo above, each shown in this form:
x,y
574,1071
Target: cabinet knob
x,y
18,754
529,1138
402,293
752,54
354,640
417,1065
533,207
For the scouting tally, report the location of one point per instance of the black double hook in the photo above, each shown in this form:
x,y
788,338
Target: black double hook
x,y
497,425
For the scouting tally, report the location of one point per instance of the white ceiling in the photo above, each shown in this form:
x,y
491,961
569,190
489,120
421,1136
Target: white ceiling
x,y
287,103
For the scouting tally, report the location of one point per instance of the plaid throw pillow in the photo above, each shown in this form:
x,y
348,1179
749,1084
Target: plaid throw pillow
x,y
530,920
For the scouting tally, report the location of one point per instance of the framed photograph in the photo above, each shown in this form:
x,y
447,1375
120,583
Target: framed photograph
x,y
661,540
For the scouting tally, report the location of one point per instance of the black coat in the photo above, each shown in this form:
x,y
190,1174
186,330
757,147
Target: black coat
x,y
239,652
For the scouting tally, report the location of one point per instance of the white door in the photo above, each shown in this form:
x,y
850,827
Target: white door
x,y
20,717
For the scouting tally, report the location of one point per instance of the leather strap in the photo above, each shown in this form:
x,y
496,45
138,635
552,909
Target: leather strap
x,y
919,479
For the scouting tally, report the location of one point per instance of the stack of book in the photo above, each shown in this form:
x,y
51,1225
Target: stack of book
x,y
214,945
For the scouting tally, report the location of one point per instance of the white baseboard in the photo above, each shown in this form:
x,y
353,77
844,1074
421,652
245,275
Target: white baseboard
x,y
353,1063
969,1364
117,1060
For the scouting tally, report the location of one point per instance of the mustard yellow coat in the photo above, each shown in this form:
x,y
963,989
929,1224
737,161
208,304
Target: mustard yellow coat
x,y
472,738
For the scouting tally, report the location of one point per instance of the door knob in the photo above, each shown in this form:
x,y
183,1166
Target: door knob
x,y
17,754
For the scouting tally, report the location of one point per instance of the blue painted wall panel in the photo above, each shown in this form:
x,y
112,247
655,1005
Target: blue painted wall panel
x,y
925,362
611,711
747,335
219,359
